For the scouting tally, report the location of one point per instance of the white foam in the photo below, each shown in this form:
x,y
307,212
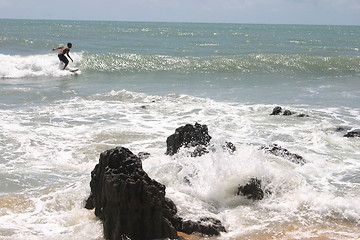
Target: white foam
x,y
16,66
60,142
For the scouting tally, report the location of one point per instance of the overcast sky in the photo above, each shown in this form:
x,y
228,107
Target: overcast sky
x,y
332,12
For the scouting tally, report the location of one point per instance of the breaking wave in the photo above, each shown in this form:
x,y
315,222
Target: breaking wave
x,y
253,63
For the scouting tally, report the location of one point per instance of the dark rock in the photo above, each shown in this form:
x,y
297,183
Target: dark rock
x,y
206,226
287,113
252,190
127,200
189,136
199,151
132,205
342,128
276,111
282,152
90,202
230,147
354,133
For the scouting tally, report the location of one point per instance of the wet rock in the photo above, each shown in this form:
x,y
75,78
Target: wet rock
x,y
353,133
132,205
279,110
207,226
287,113
230,147
282,152
276,111
342,128
302,115
195,137
127,200
189,136
252,190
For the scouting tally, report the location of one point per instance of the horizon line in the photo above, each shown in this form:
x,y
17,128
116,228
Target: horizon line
x,y
184,22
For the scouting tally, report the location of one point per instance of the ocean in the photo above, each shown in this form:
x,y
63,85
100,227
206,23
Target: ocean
x,y
139,81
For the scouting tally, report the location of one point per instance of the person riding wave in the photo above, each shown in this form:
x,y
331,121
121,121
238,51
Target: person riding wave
x,y
61,54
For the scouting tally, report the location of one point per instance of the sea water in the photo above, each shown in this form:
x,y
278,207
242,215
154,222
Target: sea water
x,y
140,81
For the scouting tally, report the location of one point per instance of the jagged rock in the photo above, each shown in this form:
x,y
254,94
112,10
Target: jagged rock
x,y
206,226
90,202
132,205
353,133
278,110
230,147
127,200
189,136
287,113
282,152
252,190
193,136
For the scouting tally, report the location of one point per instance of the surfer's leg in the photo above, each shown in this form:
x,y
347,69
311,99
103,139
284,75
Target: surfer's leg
x,y
64,60
66,63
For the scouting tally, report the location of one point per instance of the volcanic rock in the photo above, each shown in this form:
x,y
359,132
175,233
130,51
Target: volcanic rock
x,y
127,200
252,190
189,136
282,152
133,206
354,133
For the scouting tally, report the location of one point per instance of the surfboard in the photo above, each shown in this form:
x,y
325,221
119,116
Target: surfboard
x,y
73,70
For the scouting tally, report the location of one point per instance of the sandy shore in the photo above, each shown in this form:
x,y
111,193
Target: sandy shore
x,y
328,230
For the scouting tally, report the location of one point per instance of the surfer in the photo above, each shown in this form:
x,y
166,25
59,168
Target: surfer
x,y
61,55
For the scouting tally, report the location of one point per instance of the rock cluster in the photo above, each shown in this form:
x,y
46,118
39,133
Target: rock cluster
x,y
252,190
353,133
280,111
188,136
282,152
133,206
127,200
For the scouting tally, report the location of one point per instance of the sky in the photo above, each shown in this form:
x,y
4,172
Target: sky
x,y
322,12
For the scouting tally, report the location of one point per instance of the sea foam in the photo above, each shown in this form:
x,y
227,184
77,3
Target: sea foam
x,y
17,66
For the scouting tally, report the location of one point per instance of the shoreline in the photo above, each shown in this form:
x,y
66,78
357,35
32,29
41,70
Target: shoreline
x,y
329,230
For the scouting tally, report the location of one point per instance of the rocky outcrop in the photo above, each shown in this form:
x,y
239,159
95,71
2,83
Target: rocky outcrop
x,y
188,136
133,206
353,133
284,153
195,137
127,200
206,225
280,111
252,190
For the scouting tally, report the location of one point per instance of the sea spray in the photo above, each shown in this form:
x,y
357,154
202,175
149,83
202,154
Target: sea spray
x,y
48,65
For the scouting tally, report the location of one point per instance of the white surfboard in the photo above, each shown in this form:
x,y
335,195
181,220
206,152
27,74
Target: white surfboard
x,y
73,70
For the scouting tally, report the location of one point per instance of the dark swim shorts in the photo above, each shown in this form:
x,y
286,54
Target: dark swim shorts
x,y
63,58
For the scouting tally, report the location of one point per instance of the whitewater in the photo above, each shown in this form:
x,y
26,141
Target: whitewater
x,y
138,82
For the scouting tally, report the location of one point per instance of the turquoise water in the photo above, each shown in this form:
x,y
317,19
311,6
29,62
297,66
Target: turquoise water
x,y
139,81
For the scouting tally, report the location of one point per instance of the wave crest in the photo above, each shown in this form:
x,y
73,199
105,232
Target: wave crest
x,y
16,66
253,63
